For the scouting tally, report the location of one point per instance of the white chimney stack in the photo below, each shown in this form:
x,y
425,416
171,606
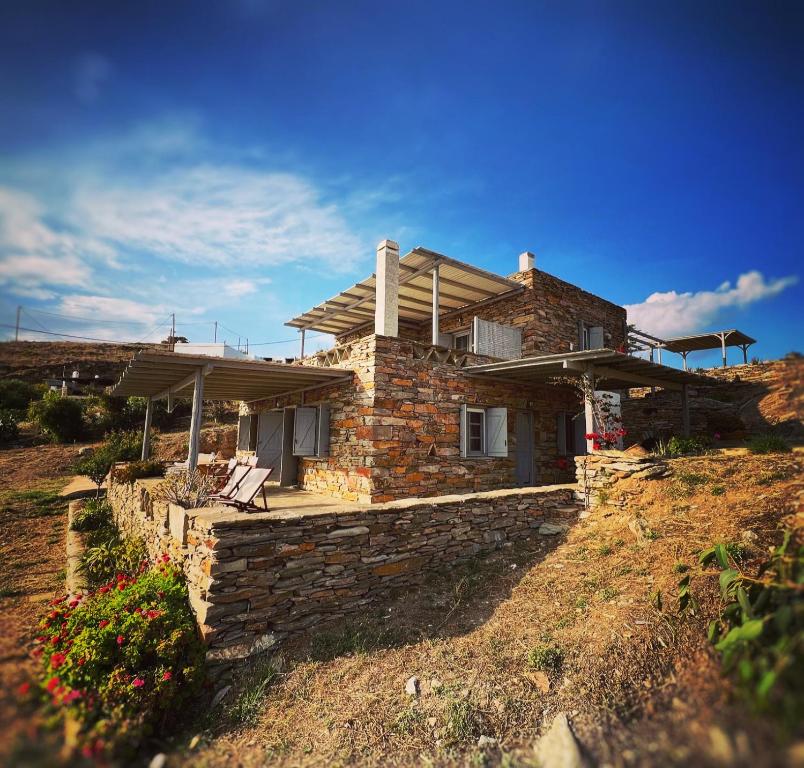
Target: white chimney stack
x,y
386,313
526,261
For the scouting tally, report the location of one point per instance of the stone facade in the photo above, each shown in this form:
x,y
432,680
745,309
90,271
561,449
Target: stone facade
x,y
395,430
255,579
742,399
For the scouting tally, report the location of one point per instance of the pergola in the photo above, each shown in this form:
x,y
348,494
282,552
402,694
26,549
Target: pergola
x,y
431,286
167,375
683,345
598,367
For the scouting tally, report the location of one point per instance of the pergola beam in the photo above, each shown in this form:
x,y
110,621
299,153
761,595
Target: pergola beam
x,y
185,382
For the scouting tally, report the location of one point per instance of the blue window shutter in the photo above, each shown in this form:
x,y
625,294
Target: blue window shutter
x,y
464,432
497,432
561,434
322,426
304,432
243,432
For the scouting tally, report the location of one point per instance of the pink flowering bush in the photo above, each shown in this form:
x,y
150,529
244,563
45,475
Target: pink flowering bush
x,y
120,659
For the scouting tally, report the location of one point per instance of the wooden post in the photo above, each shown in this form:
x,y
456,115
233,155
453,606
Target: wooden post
x,y
685,411
588,410
435,306
146,433
195,420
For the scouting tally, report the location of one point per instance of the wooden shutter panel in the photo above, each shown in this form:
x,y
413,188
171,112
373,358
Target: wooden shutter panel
x,y
464,433
243,432
596,340
322,431
561,434
304,432
580,335
497,432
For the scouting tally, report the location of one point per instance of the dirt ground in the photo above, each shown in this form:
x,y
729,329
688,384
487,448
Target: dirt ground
x,y
32,556
640,684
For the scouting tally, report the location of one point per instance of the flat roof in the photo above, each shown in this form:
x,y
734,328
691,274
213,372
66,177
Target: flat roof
x,y
153,374
710,340
460,285
616,369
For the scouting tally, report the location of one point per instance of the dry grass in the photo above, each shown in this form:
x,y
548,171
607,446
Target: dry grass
x,y
640,684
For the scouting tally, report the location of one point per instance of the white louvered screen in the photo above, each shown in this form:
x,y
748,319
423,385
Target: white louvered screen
x,y
496,340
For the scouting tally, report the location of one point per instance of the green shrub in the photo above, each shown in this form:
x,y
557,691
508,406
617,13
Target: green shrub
x,y
546,657
686,446
122,660
107,553
93,516
768,444
9,431
128,473
760,631
16,395
60,418
119,446
188,489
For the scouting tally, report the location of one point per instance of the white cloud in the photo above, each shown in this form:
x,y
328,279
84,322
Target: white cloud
x,y
92,71
669,313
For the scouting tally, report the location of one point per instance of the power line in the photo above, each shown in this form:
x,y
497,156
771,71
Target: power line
x,y
69,335
84,319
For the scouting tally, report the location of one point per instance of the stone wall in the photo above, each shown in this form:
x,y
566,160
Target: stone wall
x,y
599,473
255,579
743,399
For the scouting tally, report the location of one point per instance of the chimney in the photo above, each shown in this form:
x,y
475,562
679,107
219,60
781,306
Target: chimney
x,y
526,261
386,314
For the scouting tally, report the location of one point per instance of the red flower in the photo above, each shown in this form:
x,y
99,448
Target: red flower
x,y
120,639
160,593
153,614
58,600
57,659
121,576
166,558
82,661
121,585
40,639
23,689
74,603
138,682
103,623
103,590
55,639
71,696
167,675
36,653
52,684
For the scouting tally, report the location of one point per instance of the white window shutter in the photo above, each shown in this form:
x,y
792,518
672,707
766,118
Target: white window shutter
x,y
596,340
497,340
322,429
497,432
464,432
304,432
243,432
561,434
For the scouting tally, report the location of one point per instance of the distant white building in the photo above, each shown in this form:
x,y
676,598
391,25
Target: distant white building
x,y
214,350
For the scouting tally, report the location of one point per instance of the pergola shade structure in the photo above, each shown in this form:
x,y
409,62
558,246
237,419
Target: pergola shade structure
x,y
429,284
603,368
683,345
159,375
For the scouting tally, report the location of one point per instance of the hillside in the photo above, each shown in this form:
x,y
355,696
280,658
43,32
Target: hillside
x,y
35,361
596,609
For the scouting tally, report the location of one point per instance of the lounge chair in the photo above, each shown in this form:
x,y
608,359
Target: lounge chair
x,y
252,484
239,474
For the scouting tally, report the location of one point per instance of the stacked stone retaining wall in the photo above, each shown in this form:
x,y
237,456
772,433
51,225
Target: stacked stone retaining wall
x,y
599,473
255,579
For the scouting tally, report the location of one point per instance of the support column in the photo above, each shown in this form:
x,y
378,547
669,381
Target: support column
x,y
588,411
684,358
301,353
659,350
436,333
685,411
195,419
723,347
745,354
146,433
386,313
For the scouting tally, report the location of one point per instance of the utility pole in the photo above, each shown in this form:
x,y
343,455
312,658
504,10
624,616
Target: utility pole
x,y
17,331
172,331
215,333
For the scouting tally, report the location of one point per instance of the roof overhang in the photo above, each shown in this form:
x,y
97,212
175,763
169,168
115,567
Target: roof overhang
x,y
159,374
713,340
460,285
613,370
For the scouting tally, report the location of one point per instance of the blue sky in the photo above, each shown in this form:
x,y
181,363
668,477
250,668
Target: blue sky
x,y
239,161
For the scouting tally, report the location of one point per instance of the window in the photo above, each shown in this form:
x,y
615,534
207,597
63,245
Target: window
x,y
461,340
476,436
247,433
484,431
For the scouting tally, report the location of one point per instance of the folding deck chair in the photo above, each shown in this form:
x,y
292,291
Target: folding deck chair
x,y
239,473
252,484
